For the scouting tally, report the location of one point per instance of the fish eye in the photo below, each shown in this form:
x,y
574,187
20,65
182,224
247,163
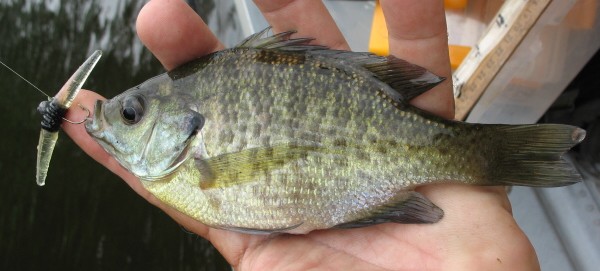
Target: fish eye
x,y
132,109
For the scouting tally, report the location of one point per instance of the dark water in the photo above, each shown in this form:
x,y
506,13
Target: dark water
x,y
84,218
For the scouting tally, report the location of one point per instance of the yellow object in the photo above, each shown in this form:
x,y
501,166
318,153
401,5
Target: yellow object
x,y
457,54
378,43
455,4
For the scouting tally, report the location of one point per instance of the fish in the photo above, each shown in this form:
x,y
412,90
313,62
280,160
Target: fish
x,y
277,135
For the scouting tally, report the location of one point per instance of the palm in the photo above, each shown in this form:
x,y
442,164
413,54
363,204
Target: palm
x,y
477,232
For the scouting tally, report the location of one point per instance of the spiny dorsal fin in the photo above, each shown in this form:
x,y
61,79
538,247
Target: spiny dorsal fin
x,y
410,208
248,165
279,41
407,79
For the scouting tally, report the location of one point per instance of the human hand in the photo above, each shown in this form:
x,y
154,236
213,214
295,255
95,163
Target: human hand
x,y
477,231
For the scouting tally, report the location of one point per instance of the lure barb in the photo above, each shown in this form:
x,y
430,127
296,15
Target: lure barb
x,y
53,112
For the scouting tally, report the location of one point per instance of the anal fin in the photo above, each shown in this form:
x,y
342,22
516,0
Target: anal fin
x,y
412,208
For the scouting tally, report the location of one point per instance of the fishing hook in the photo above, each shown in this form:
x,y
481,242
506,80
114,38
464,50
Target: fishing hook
x,y
84,119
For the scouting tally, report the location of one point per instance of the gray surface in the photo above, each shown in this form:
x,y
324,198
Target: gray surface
x,y
353,17
562,223
575,216
548,58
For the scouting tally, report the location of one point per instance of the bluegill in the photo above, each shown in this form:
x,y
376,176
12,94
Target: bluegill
x,y
275,135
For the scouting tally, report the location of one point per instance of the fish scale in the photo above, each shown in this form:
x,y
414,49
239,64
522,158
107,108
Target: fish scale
x,y
278,136
351,101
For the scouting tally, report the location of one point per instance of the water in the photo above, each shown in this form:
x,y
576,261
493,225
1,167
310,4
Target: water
x,y
85,218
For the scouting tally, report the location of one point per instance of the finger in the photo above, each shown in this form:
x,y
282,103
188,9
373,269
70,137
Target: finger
x,y
309,17
174,32
418,34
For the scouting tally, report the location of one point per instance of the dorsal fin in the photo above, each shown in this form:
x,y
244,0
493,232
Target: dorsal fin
x,y
279,41
407,79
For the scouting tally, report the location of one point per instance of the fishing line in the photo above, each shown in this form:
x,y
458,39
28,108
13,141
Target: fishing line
x,y
49,98
24,79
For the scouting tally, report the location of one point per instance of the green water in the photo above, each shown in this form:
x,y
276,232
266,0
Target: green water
x,y
85,218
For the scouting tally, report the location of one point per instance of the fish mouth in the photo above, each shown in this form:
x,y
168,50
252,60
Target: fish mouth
x,y
96,122
95,127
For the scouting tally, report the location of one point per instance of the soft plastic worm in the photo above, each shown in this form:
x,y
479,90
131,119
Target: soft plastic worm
x,y
53,112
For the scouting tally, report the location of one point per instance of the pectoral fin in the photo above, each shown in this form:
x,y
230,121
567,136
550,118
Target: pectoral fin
x,y
248,165
411,208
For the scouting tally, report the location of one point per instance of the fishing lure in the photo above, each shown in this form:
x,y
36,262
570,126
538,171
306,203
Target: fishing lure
x,y
53,112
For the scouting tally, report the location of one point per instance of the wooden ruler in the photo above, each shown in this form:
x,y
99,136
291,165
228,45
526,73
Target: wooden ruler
x,y
512,23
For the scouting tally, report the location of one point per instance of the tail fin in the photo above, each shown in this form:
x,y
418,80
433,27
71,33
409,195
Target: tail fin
x,y
531,155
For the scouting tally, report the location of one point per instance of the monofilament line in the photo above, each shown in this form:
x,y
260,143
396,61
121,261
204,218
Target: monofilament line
x,y
24,79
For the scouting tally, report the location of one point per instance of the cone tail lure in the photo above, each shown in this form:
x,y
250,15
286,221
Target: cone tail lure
x,y
53,112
